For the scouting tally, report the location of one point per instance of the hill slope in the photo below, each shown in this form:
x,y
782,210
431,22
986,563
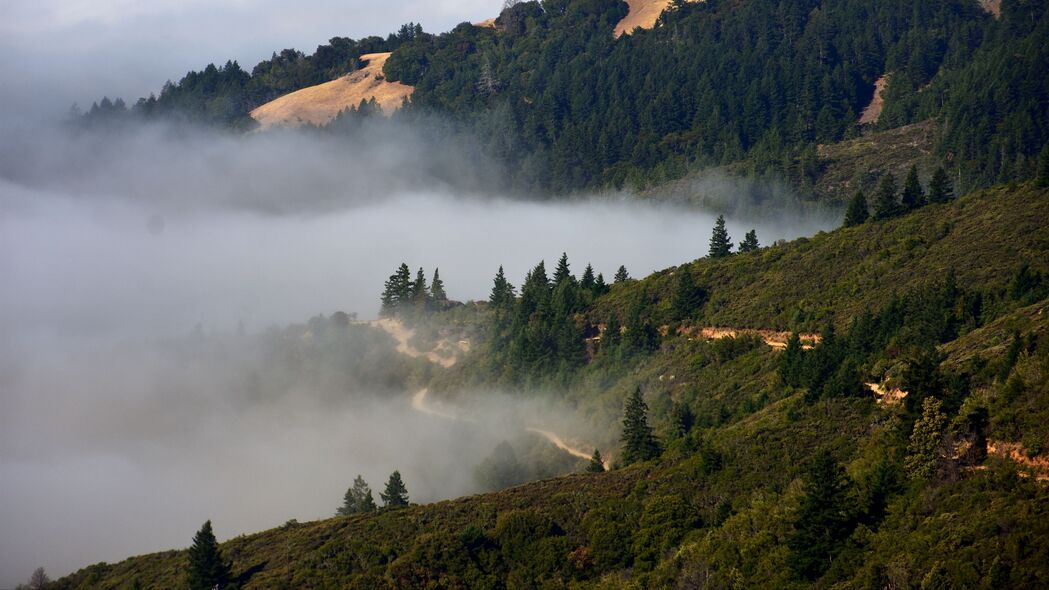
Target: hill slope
x,y
319,105
725,499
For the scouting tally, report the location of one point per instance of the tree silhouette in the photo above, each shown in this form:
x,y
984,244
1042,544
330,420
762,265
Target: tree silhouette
x,y
913,196
621,276
857,212
823,520
720,242
750,242
639,443
597,464
886,204
358,498
207,569
940,189
395,495
437,292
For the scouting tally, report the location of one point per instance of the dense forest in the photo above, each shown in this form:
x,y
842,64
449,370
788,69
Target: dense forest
x,y
551,92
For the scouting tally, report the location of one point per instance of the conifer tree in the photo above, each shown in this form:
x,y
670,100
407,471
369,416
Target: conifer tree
x,y
395,495
750,242
940,189
562,272
397,291
913,196
358,498
207,569
720,242
1042,179
791,362
886,204
502,296
621,275
597,464
926,448
612,335
823,520
687,298
857,212
639,443
437,287
588,281
600,286
420,291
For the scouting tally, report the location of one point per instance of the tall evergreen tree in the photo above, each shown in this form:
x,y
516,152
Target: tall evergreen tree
x,y
395,495
857,212
621,275
358,498
437,292
562,272
588,281
687,297
639,443
397,291
600,286
886,201
502,296
720,242
612,335
682,419
913,196
207,570
927,448
420,291
750,242
1042,178
823,520
597,464
940,189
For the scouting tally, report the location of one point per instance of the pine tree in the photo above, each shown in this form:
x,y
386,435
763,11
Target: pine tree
x,y
437,287
395,495
687,298
597,464
600,286
207,569
857,212
940,189
720,242
639,443
358,498
750,242
823,520
621,276
926,448
1042,179
588,281
886,204
502,296
791,362
562,272
682,419
612,335
397,291
913,196
420,291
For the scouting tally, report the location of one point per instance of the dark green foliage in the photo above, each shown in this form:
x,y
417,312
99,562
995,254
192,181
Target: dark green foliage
x,y
501,469
750,242
639,443
395,495
720,242
913,195
928,448
1042,180
397,293
940,189
824,518
562,272
688,298
207,569
596,464
358,498
503,295
682,420
437,292
886,201
621,275
857,212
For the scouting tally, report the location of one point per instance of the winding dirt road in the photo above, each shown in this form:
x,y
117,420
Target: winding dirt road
x,y
403,336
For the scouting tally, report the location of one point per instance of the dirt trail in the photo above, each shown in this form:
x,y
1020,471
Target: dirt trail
x,y
643,13
443,354
403,336
872,113
1015,452
886,396
777,340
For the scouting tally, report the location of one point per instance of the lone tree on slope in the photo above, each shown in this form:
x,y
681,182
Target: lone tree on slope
x,y
913,196
597,464
358,498
750,242
207,569
720,242
621,275
437,292
395,495
886,203
940,189
639,444
857,212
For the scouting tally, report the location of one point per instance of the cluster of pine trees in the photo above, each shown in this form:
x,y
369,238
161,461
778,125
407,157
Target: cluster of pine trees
x,y
721,242
358,498
408,297
891,202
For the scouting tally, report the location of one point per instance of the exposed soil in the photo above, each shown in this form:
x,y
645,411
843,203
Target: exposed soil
x,y
872,113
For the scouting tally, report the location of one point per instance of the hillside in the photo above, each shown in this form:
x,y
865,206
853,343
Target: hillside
x,y
319,105
724,502
643,14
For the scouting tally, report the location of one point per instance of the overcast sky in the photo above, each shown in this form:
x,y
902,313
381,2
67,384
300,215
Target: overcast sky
x,y
57,52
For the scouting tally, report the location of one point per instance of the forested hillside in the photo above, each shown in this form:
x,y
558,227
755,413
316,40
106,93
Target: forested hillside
x,y
567,105
741,463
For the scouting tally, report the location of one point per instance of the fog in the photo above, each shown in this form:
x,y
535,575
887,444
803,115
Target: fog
x,y
118,438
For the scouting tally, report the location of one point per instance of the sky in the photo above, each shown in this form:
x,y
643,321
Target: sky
x,y
54,53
